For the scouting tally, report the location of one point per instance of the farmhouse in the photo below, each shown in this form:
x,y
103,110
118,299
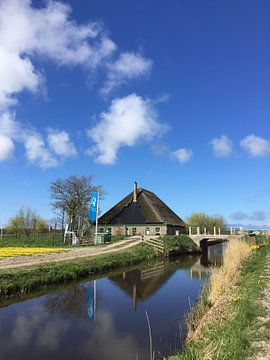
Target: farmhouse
x,y
141,213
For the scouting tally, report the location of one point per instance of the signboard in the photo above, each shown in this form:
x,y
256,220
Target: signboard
x,y
93,206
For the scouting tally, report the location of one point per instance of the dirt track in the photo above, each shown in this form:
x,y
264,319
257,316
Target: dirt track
x,y
72,254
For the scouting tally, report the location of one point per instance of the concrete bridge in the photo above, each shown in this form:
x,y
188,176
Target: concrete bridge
x,y
218,235
203,240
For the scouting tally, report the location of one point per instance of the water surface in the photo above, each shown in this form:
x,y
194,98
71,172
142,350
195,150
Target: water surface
x,y
105,319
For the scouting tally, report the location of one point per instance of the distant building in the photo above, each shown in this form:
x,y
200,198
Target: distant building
x,y
141,212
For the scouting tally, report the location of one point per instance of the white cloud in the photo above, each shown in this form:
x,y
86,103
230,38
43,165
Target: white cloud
x,y
61,144
16,74
182,155
47,32
222,146
128,120
36,150
128,66
257,215
38,154
6,147
256,146
29,33
9,126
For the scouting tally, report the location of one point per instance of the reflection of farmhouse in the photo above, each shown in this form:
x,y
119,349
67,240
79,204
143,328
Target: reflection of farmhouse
x,y
141,212
142,284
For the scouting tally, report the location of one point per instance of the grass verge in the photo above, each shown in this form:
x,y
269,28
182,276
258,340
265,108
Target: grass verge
x,y
177,245
25,280
224,324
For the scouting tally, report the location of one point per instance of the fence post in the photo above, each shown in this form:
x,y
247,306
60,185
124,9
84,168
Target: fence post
x,y
198,230
189,231
215,232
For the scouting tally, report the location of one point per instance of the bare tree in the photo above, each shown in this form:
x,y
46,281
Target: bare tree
x,y
72,196
27,221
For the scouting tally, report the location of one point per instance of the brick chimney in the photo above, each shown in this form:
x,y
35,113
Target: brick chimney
x,y
135,192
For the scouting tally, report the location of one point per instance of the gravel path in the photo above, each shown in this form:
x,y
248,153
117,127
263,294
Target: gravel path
x,y
22,261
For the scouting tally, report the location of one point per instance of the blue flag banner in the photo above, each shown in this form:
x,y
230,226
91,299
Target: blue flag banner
x,y
93,206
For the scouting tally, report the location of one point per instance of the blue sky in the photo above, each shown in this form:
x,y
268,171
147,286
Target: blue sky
x,y
174,95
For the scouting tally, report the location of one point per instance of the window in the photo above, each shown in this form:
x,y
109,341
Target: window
x,y
147,231
134,231
158,231
101,230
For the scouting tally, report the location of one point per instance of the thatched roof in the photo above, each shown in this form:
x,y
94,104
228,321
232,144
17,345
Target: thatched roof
x,y
148,209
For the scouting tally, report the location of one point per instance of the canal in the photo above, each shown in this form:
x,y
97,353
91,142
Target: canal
x,y
106,318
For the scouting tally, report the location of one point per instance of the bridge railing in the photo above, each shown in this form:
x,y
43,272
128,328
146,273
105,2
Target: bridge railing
x,y
215,231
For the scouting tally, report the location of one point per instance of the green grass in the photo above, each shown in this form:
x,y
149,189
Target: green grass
x,y
43,240
232,340
262,240
181,244
25,280
39,240
116,238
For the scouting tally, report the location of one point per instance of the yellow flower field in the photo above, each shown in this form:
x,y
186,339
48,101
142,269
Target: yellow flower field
x,y
254,247
21,251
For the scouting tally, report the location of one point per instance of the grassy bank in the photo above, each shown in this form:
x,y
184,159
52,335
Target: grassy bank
x,y
224,323
25,280
177,245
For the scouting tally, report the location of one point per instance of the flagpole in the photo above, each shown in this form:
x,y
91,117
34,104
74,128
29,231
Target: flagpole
x,y
97,218
2,225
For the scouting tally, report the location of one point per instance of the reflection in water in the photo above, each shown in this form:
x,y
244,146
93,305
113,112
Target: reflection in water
x,y
211,256
92,301
68,303
105,319
141,284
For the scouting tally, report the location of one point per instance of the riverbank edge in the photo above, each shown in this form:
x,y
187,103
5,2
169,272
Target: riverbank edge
x,y
234,337
25,280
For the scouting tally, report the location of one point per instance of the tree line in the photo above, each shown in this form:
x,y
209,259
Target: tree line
x,y
202,220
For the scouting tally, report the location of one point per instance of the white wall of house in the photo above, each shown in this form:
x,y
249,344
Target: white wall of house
x,y
130,230
152,230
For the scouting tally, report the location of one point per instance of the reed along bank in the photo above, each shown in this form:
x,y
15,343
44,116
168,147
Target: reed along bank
x,y
225,323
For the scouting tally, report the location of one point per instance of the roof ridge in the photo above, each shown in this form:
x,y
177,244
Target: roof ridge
x,y
153,208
